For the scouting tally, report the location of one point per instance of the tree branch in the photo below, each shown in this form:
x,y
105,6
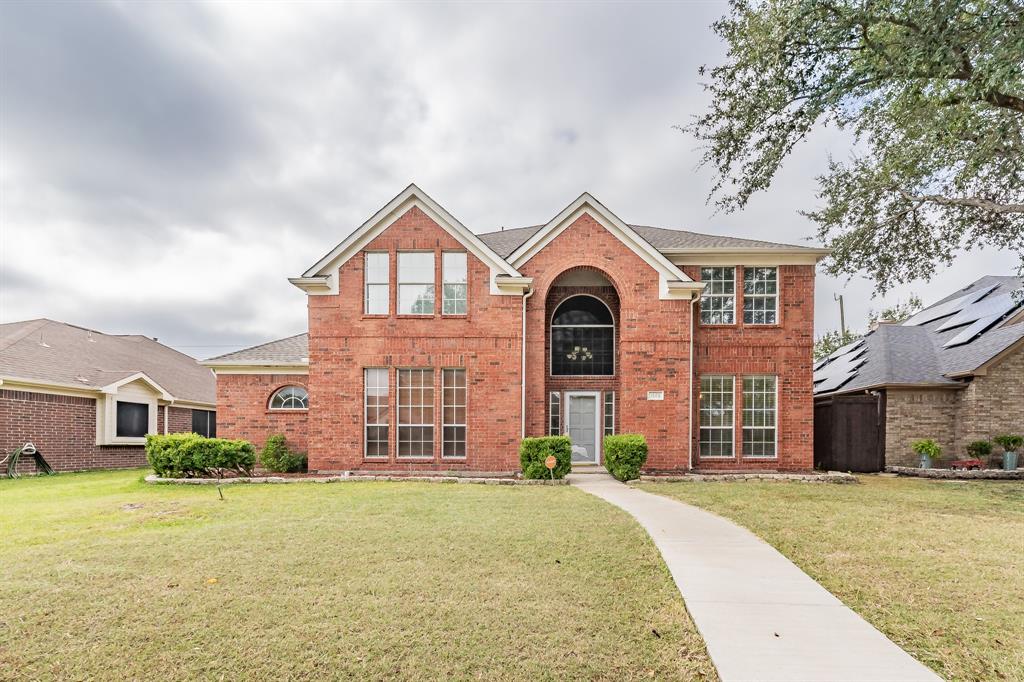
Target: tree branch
x,y
970,202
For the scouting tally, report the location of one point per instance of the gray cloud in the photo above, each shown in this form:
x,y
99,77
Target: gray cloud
x,y
165,166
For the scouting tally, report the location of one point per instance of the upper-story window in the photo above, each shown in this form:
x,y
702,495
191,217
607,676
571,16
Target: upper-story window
x,y
453,283
415,283
377,283
718,301
760,295
582,338
290,398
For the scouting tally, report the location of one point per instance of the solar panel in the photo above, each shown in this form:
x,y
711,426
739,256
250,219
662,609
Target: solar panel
x,y
948,308
833,383
997,305
838,371
969,334
839,352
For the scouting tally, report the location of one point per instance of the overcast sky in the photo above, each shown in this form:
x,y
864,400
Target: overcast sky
x,y
165,167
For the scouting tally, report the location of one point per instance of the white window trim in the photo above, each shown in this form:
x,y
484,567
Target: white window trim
x,y
777,297
464,425
399,283
106,418
366,414
775,429
398,416
609,414
555,400
735,284
273,394
700,424
367,283
445,282
551,339
598,426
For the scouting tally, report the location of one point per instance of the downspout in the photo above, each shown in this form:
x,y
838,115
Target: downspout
x,y
689,401
522,406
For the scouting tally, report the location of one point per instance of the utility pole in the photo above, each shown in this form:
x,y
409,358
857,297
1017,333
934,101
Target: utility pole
x,y
842,316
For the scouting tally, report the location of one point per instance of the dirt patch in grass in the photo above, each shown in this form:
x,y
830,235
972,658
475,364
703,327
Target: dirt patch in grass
x,y
106,577
936,566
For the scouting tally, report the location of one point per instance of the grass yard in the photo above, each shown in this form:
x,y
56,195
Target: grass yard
x,y
105,577
938,567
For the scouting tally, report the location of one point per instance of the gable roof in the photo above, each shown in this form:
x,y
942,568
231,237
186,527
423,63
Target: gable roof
x,y
49,352
933,347
291,350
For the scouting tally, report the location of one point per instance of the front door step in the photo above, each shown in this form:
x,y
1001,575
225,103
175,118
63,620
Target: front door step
x,y
588,469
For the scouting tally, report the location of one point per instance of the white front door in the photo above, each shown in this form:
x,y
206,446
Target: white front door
x,y
581,425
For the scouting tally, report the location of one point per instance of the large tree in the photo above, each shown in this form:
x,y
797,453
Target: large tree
x,y
933,94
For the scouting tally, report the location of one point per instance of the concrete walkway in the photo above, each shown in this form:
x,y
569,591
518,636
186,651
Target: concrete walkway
x,y
761,617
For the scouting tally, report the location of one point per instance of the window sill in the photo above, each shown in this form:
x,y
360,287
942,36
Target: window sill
x,y
270,411
410,458
751,325
376,316
761,457
416,316
718,457
724,325
125,440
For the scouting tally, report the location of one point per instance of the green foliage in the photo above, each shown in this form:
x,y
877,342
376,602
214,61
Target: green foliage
x,y
277,457
830,342
1009,442
979,449
932,94
533,452
899,312
926,446
188,455
624,455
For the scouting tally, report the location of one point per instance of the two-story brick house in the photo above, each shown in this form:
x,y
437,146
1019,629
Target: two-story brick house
x,y
415,356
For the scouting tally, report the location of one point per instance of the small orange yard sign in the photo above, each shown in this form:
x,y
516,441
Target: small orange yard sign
x,y
550,462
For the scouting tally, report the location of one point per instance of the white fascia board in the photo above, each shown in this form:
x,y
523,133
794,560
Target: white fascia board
x,y
667,271
383,219
192,405
314,285
111,389
746,256
256,367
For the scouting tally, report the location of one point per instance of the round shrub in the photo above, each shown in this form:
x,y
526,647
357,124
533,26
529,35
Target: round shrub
x,y
533,452
277,457
624,455
979,449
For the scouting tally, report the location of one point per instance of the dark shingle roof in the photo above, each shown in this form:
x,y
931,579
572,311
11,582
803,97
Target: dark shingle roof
x,y
661,238
916,354
290,350
55,352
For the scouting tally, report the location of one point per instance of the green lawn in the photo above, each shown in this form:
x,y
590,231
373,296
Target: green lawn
x,y
936,566
105,577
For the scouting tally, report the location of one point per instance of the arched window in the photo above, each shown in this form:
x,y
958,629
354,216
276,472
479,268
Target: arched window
x,y
582,338
290,398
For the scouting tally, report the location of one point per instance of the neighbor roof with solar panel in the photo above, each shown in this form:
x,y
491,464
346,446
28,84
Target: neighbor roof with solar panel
x,y
937,347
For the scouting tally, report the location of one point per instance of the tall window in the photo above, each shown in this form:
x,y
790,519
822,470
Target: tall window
x,y
290,398
718,301
582,338
453,283
204,422
415,413
760,295
609,413
555,414
415,283
716,416
759,416
375,402
377,284
453,413
132,419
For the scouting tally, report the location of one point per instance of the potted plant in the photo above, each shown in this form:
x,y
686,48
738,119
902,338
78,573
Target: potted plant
x,y
979,449
1010,445
927,449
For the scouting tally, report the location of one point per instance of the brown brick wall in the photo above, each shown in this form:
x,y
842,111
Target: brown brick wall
x,y
243,409
63,428
914,414
993,403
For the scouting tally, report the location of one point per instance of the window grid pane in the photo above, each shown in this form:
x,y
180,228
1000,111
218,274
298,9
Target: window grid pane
x,y
555,417
609,413
453,410
718,300
759,416
760,295
290,398
415,283
376,295
415,413
716,416
376,404
454,287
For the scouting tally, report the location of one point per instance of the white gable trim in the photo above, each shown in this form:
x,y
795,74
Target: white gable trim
x,y
673,282
322,277
138,376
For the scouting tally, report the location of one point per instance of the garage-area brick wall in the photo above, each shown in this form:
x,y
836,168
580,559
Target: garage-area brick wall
x,y
243,409
992,404
912,414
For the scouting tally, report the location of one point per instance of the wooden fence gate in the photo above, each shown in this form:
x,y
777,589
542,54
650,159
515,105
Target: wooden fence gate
x,y
849,433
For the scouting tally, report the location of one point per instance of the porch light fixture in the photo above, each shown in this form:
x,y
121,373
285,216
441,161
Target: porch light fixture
x,y
580,353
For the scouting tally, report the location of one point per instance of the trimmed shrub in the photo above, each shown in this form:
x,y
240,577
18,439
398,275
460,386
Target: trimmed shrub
x,y
979,449
189,455
533,452
275,456
624,455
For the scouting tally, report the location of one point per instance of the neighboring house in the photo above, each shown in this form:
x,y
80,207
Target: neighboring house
x,y
953,372
87,399
415,357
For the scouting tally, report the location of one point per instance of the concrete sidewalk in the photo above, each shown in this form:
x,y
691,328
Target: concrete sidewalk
x,y
761,617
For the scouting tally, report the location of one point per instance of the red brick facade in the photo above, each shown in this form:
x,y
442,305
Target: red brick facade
x,y
63,428
653,345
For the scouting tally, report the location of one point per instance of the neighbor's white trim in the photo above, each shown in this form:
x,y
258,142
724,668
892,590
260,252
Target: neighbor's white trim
x,y
113,388
80,391
598,427
411,196
673,282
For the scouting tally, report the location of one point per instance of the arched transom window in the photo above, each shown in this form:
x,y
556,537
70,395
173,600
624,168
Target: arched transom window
x,y
582,338
290,398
